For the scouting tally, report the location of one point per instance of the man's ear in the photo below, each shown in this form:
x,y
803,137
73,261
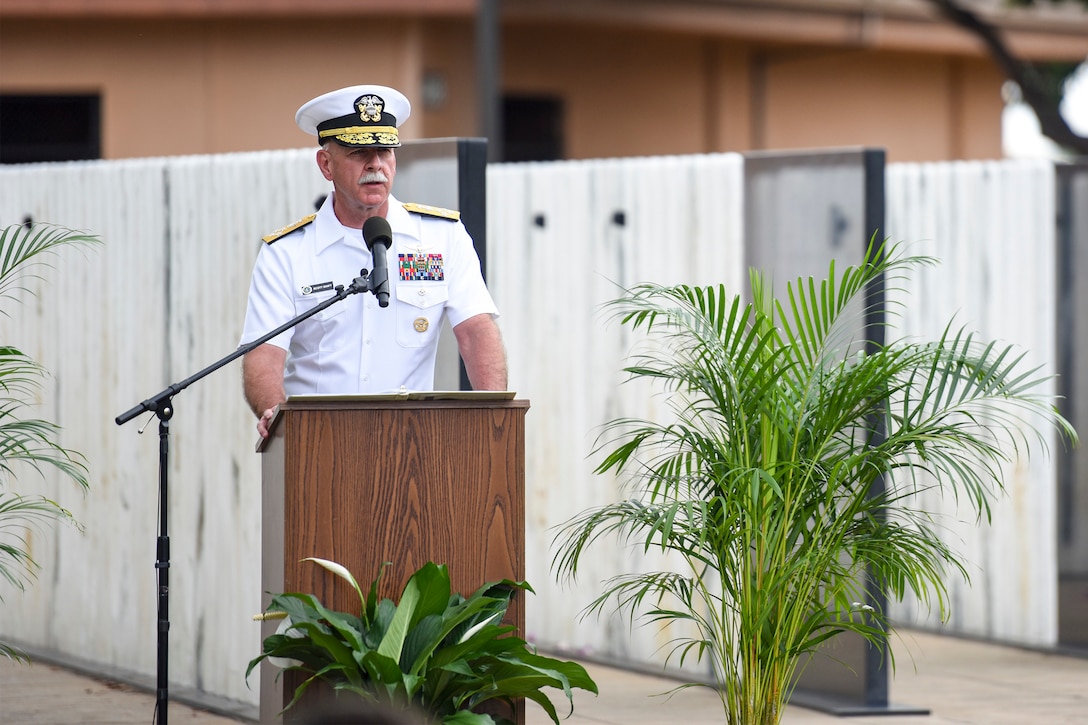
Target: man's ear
x,y
324,162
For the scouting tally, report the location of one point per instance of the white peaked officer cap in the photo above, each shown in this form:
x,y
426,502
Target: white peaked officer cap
x,y
357,116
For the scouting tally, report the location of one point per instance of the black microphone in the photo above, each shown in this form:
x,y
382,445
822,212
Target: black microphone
x,y
378,237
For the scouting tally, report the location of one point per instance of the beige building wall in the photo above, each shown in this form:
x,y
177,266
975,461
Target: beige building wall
x,y
196,87
634,92
919,107
449,55
729,88
625,93
204,85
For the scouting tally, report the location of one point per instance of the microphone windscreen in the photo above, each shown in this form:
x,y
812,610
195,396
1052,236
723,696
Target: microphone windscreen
x,y
377,228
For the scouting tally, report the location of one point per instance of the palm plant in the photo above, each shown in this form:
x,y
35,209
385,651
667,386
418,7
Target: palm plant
x,y
27,444
787,470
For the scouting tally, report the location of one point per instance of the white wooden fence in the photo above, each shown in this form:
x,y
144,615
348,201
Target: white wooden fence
x,y
992,227
165,297
160,300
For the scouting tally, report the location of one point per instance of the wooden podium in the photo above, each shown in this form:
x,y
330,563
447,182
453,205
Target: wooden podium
x,y
406,478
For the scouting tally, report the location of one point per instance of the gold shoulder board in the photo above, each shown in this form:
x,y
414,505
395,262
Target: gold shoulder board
x,y
284,231
434,211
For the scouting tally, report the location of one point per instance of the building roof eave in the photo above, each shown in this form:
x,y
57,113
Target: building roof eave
x,y
230,8
910,25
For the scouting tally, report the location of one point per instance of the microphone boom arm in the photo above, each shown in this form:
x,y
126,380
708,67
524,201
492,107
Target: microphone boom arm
x,y
156,402
162,405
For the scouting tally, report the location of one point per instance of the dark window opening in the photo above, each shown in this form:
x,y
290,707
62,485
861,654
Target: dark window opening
x,y
49,128
532,128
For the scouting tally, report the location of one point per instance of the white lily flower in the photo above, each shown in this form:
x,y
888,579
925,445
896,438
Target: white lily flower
x,y
337,569
285,627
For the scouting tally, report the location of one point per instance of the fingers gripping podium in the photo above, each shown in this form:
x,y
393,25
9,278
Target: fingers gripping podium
x,y
362,480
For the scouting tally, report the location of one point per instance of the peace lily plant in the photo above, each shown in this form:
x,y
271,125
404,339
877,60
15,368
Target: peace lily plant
x,y
434,652
765,485
28,445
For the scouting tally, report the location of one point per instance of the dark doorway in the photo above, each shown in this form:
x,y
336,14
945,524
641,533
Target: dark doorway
x,y
533,128
49,128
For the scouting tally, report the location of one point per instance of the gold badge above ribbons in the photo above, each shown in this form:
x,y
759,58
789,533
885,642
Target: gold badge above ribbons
x,y
421,324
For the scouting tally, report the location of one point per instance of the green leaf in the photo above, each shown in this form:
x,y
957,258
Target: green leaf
x,y
410,599
384,676
464,717
379,625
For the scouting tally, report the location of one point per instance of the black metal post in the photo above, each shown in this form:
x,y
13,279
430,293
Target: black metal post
x,y
488,75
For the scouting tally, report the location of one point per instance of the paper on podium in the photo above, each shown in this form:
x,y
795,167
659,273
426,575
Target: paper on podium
x,y
404,394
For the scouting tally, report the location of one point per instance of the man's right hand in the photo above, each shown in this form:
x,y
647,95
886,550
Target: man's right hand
x,y
266,420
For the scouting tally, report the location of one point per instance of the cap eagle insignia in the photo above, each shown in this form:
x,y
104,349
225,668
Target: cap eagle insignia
x,y
370,108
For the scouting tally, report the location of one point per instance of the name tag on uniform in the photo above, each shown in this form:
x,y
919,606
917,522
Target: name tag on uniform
x,y
319,287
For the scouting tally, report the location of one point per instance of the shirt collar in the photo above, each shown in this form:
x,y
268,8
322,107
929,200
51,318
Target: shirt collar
x,y
329,230
400,221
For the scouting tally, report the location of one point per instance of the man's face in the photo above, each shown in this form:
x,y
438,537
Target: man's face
x,y
362,177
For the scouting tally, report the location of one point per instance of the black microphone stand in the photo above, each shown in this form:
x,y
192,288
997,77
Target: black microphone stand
x,y
162,406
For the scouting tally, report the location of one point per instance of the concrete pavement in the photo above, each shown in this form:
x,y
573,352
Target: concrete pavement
x,y
959,681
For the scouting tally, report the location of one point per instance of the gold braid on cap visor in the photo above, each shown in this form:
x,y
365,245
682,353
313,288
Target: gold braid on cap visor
x,y
363,135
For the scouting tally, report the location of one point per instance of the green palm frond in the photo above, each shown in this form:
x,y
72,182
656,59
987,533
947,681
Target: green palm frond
x,y
24,248
28,445
19,514
787,469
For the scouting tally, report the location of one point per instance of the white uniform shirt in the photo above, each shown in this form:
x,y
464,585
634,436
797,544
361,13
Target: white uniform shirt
x,y
355,346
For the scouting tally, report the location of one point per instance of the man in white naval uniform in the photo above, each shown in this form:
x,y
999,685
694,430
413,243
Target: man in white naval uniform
x,y
356,346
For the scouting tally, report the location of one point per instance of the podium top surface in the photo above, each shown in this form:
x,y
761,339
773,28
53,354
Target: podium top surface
x,y
393,400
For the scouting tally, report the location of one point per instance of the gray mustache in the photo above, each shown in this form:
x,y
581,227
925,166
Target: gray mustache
x,y
373,177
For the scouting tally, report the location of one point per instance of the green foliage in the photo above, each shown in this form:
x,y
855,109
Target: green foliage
x,y
789,465
437,651
27,444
